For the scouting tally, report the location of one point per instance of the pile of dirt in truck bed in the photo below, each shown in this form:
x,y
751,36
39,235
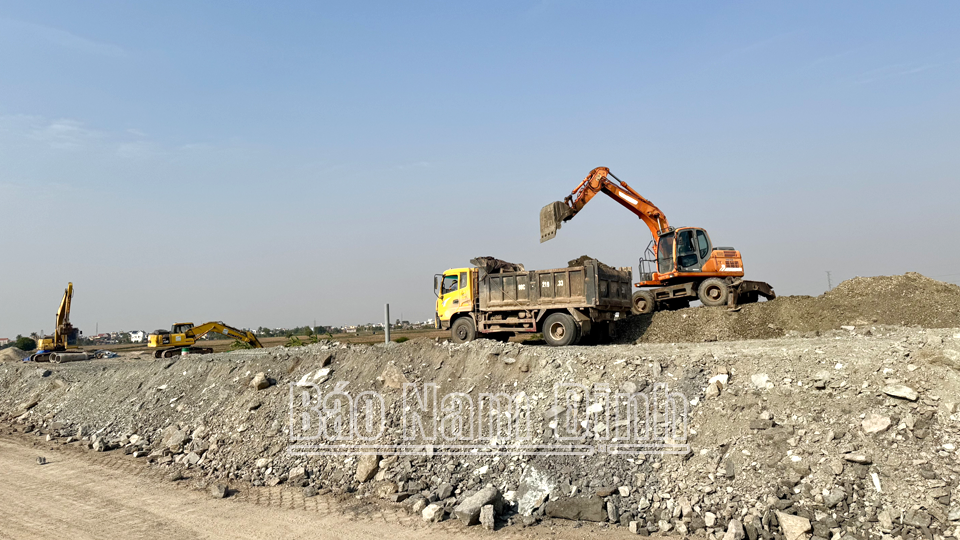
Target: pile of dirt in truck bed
x,y
908,300
579,261
12,354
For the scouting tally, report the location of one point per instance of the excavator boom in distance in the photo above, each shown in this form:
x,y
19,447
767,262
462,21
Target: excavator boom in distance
x,y
680,264
185,335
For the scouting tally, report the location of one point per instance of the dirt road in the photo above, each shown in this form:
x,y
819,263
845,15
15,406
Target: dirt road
x,y
74,497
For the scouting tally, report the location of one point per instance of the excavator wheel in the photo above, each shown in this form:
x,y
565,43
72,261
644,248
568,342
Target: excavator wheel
x,y
643,303
463,330
714,292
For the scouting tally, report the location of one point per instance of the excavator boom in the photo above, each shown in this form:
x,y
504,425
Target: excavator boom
x,y
220,328
599,180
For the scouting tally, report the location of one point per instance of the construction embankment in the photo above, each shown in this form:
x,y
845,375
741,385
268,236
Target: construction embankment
x,y
828,417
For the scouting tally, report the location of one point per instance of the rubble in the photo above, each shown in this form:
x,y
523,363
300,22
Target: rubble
x,y
839,459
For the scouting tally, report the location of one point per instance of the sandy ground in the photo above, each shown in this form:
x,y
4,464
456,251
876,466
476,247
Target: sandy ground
x,y
78,498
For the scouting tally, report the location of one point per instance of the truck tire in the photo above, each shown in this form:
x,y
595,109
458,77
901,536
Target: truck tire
x,y
713,292
463,330
643,303
560,330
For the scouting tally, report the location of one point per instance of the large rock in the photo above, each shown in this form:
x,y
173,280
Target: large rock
x,y
367,467
578,509
260,381
793,527
917,518
734,530
488,517
173,438
900,391
469,510
393,377
535,487
834,497
433,512
875,423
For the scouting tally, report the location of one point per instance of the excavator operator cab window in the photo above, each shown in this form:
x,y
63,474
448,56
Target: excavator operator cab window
x,y
686,251
665,254
449,284
704,244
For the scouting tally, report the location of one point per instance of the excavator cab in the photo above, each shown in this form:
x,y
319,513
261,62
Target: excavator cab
x,y
683,250
181,328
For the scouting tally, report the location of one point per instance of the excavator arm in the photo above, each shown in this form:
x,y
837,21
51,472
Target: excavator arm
x,y
220,328
64,328
599,180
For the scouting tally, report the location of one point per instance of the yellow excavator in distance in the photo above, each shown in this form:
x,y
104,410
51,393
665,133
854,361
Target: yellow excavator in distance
x,y
63,345
184,336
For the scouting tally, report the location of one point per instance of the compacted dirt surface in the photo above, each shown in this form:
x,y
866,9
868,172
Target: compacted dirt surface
x,y
82,497
824,418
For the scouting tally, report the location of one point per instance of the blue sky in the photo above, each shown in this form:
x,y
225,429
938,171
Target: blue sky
x,y
274,165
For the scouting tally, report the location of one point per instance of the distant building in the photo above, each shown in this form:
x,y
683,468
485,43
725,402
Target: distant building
x,y
138,336
4,341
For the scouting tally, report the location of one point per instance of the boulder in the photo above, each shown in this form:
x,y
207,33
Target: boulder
x,y
367,467
433,512
469,510
487,517
793,527
260,381
578,509
900,391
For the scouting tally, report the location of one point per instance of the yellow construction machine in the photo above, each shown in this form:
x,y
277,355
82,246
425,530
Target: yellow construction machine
x,y
183,336
62,346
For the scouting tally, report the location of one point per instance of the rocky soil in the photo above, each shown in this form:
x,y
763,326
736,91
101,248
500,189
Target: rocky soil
x,y
823,433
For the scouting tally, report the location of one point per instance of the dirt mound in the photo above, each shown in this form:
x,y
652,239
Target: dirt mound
x,y
908,300
12,354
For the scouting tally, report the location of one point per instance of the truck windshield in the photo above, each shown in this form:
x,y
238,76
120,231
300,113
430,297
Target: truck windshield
x,y
665,254
449,284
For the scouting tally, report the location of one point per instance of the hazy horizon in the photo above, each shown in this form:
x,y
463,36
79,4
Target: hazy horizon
x,y
276,165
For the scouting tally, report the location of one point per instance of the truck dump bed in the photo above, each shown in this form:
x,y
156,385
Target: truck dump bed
x,y
587,286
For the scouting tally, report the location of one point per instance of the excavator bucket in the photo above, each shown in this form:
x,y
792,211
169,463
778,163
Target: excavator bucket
x,y
551,216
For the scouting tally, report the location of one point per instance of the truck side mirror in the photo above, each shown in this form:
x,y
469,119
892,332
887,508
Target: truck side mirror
x,y
435,293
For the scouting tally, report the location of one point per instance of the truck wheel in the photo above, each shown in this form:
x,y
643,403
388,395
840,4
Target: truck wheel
x,y
713,292
643,302
463,330
560,329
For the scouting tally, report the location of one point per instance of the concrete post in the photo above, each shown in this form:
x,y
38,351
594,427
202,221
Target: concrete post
x,y
386,323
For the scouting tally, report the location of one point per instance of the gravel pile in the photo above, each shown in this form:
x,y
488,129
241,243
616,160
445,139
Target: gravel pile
x,y
12,354
907,300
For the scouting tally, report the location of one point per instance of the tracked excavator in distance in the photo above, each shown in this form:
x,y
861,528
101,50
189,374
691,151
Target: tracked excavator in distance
x,y
679,265
185,335
63,345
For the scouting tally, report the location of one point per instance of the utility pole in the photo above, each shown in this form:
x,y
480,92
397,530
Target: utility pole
x,y
829,282
386,323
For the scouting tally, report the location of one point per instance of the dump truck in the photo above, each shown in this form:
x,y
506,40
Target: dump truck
x,y
495,300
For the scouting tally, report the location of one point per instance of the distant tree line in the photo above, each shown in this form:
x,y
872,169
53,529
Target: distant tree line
x,y
297,331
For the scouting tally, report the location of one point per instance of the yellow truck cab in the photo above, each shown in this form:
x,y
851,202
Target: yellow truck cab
x,y
455,290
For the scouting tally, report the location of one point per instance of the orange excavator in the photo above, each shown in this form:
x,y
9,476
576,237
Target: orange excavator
x,y
680,264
